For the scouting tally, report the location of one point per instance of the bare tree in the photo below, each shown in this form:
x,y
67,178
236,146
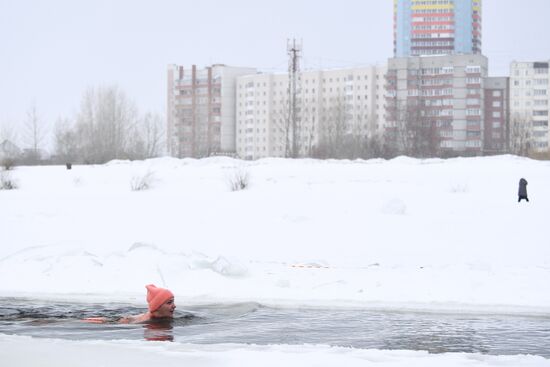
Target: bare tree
x,y
333,128
104,123
66,142
520,138
146,139
108,126
8,132
298,138
308,127
344,131
403,138
282,126
34,134
10,153
415,131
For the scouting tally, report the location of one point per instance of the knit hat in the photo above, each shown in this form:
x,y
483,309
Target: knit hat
x,y
157,296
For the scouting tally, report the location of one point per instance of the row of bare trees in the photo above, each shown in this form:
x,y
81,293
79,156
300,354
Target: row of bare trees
x,y
412,132
344,133
325,131
32,135
522,136
107,126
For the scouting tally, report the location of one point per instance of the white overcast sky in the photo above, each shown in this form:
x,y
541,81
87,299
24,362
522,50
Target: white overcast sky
x,y
52,50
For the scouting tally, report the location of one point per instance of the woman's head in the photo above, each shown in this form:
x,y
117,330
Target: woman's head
x,y
161,301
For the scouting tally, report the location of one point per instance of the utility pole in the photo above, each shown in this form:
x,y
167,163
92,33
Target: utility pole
x,y
292,134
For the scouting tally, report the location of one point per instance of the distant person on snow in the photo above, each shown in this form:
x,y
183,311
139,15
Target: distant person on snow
x,y
522,191
161,307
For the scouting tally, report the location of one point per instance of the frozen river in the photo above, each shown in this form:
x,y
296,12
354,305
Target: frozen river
x,y
256,324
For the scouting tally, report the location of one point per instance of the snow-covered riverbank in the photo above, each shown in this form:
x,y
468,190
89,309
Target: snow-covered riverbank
x,y
438,235
401,233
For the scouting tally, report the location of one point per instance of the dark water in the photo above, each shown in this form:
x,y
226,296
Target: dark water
x,y
257,324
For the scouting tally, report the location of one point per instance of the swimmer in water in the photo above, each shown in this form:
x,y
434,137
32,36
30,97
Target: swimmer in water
x,y
161,307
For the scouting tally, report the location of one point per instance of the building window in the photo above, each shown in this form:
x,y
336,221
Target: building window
x,y
473,144
496,93
496,104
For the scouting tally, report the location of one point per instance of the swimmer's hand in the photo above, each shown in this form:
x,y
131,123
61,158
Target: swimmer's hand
x,y
95,320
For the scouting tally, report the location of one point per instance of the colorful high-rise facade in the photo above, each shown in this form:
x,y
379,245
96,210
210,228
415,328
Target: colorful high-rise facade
x,y
437,27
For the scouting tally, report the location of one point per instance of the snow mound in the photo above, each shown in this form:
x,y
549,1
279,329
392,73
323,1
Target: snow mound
x,y
227,268
395,207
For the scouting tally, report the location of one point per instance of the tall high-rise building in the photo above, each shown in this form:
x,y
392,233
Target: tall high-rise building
x,y
334,106
437,27
201,109
434,104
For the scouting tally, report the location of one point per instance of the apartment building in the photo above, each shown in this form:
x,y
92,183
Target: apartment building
x,y
434,104
329,103
496,115
529,101
437,27
201,109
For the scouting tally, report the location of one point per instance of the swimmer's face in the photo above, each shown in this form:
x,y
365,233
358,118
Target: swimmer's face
x,y
167,309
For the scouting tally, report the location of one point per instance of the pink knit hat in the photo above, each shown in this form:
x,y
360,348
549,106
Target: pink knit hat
x,y
157,296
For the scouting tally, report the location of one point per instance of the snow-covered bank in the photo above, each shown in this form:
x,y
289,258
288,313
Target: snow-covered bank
x,y
14,351
435,234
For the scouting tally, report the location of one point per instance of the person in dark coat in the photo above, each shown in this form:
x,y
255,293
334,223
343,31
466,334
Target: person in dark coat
x,y
522,192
